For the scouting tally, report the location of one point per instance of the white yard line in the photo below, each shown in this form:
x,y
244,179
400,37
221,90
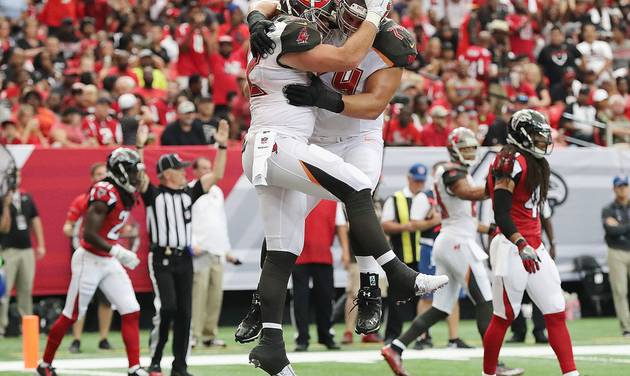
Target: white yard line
x,y
98,365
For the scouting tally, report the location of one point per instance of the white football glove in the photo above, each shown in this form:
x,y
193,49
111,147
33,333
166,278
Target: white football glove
x,y
126,257
376,10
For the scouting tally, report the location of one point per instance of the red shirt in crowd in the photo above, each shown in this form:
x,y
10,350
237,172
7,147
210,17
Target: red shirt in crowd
x,y
239,33
433,135
521,35
106,131
319,229
114,71
225,72
479,59
56,10
193,56
77,208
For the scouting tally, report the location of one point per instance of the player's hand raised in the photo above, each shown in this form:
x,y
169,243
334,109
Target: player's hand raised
x,y
126,257
377,9
223,133
528,256
259,41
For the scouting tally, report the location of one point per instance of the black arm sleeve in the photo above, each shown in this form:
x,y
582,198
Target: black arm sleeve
x,y
502,206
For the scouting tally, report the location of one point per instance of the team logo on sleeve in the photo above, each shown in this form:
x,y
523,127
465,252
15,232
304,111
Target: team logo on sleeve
x,y
303,36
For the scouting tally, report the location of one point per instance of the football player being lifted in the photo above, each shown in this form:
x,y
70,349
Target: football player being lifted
x,y
518,183
99,261
349,106
455,251
285,168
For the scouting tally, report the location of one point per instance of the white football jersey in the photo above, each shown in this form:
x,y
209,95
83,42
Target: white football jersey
x,y
393,47
267,77
459,217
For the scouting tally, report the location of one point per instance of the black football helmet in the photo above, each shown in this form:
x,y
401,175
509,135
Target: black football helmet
x,y
123,167
320,12
529,131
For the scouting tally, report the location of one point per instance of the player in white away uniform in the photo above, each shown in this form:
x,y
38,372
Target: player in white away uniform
x,y
349,124
283,167
455,251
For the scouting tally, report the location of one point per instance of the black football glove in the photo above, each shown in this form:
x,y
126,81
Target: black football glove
x,y
259,41
314,95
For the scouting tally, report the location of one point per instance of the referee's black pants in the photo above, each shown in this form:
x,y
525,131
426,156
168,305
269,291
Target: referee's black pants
x,y
172,278
323,295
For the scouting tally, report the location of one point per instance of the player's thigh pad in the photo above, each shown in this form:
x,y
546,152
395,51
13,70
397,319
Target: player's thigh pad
x,y
509,287
446,250
544,285
117,287
283,213
87,271
365,152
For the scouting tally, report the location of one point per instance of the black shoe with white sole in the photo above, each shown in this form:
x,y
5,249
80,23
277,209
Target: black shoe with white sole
x,y
249,329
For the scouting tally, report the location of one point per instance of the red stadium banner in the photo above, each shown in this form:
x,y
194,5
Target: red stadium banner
x,y
55,177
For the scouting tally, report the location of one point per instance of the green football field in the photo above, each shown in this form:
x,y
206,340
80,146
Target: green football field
x,y
600,351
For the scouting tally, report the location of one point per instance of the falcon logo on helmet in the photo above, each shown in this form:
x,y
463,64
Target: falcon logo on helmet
x,y
462,146
123,167
529,131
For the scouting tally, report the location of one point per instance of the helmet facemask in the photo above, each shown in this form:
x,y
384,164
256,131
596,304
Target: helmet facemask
x,y
534,137
322,18
350,17
462,146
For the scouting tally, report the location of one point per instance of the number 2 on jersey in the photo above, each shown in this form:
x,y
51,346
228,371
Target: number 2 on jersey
x,y
114,233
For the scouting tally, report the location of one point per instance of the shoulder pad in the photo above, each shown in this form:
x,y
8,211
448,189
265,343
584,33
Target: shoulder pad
x,y
503,165
452,173
396,44
104,192
299,35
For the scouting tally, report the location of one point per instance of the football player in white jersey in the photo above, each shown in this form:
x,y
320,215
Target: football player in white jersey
x,y
283,167
350,106
455,251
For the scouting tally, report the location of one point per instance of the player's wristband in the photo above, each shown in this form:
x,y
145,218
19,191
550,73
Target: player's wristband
x,y
521,243
222,147
374,19
492,228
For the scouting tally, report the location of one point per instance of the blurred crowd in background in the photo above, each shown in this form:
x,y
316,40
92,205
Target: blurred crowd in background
x,y
86,73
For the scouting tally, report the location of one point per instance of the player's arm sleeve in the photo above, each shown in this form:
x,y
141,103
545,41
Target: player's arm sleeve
x,y
502,206
388,213
420,207
395,45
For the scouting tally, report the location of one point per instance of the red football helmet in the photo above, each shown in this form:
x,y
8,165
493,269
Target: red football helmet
x,y
321,12
350,15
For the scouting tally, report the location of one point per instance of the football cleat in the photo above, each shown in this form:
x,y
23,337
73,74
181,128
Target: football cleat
x,y
502,370
370,310
75,346
271,357
249,329
393,358
45,370
155,370
137,371
426,284
457,343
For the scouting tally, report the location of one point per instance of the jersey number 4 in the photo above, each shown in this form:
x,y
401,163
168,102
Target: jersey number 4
x,y
533,203
347,82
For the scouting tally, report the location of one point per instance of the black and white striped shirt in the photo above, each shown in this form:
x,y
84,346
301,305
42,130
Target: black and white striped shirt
x,y
169,214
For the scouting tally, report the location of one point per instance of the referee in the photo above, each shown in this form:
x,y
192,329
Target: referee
x,y
168,212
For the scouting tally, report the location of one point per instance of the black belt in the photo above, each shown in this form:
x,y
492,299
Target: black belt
x,y
169,251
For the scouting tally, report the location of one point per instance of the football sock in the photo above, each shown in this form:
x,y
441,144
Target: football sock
x,y
273,285
130,331
401,278
55,336
560,341
398,346
492,342
483,314
421,324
